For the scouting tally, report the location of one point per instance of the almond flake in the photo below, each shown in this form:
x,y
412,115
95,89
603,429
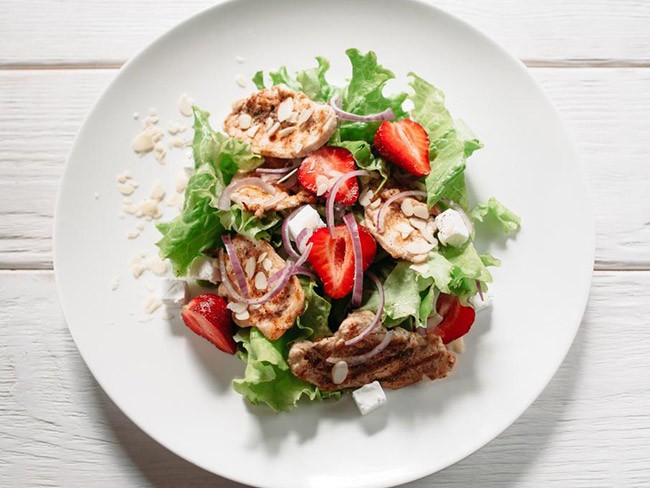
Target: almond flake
x,y
262,257
249,267
236,307
252,131
407,207
267,264
366,198
285,109
419,224
419,247
339,372
242,315
273,129
240,80
261,283
421,210
269,123
304,116
404,229
287,130
322,185
244,121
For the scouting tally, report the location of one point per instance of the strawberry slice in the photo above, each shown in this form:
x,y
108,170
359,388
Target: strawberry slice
x,y
207,316
332,257
456,319
320,170
404,143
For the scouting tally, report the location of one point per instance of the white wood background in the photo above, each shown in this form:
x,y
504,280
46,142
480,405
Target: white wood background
x,y
590,427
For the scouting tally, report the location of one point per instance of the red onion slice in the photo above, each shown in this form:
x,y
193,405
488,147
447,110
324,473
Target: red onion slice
x,y
352,360
285,274
278,171
480,291
284,231
381,215
236,265
224,199
329,204
291,266
303,237
353,228
377,318
335,102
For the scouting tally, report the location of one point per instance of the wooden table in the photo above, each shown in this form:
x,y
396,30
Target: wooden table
x,y
590,427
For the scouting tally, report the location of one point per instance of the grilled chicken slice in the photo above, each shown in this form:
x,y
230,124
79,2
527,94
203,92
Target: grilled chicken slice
x,y
405,235
281,123
406,360
260,261
256,200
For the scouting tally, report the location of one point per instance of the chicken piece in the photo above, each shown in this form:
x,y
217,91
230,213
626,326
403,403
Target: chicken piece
x,y
405,235
407,358
256,200
281,123
260,261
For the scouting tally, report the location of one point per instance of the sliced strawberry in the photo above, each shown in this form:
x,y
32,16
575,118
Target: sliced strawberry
x,y
404,143
320,170
456,319
207,316
332,257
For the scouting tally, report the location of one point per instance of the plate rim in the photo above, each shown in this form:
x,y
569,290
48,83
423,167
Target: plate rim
x,y
407,476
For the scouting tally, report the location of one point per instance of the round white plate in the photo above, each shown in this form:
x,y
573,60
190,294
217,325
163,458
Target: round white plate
x,y
176,386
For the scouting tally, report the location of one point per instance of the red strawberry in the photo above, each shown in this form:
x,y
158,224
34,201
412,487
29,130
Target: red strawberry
x,y
331,163
207,316
456,319
404,143
332,257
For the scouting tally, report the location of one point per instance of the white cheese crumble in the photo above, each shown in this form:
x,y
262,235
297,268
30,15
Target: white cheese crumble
x,y
452,230
173,292
307,218
369,397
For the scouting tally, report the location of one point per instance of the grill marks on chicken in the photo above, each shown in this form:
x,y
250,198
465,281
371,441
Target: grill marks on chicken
x,y
406,360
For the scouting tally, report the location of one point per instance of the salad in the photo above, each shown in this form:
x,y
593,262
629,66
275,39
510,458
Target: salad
x,y
333,229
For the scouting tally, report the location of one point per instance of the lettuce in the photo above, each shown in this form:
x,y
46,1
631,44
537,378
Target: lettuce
x,y
365,159
311,82
312,324
450,143
365,95
498,212
246,224
267,377
200,225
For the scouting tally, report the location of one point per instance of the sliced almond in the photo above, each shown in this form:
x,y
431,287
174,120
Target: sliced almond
x,y
304,116
419,224
269,123
242,315
421,210
261,283
262,257
244,121
236,307
273,129
407,207
285,109
287,130
322,185
404,229
249,267
366,198
339,372
267,264
252,131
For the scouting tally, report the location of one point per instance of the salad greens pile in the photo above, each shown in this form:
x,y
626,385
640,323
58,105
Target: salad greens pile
x,y
410,289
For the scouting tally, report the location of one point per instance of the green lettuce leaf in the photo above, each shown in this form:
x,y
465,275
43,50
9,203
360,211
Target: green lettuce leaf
x,y
438,268
467,269
313,322
489,260
267,378
246,224
364,95
451,143
495,210
200,225
365,159
311,81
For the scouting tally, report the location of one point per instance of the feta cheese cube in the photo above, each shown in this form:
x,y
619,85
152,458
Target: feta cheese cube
x,y
174,293
307,218
206,269
480,305
452,230
369,397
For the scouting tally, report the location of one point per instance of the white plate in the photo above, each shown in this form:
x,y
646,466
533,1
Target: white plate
x,y
176,387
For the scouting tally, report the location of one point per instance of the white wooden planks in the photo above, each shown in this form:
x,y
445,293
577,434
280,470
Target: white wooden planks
x,y
590,427
100,32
